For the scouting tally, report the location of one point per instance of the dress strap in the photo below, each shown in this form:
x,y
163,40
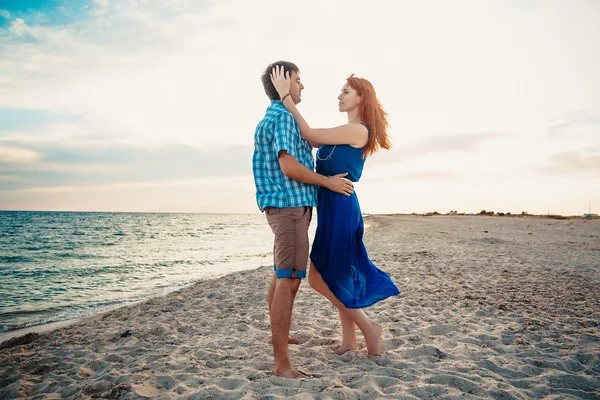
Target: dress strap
x,y
368,130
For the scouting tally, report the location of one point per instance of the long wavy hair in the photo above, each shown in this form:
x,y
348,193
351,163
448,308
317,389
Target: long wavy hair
x,y
372,114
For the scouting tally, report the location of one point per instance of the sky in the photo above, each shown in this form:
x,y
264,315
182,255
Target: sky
x,y
139,105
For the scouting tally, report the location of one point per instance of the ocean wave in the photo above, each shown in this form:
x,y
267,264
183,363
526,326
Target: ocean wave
x,y
16,259
30,318
57,261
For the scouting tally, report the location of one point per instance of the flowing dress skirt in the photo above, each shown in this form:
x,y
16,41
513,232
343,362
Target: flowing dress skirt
x,y
339,254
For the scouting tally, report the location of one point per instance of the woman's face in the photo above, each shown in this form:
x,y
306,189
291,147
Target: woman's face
x,y
349,99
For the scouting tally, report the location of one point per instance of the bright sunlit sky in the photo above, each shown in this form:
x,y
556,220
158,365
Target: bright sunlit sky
x,y
138,105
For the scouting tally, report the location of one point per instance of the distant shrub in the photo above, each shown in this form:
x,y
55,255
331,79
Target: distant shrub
x,y
557,217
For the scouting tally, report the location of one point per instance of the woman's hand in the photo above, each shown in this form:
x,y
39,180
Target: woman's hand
x,y
282,83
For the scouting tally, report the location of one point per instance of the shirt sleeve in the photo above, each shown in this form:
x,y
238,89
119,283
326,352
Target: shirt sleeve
x,y
285,136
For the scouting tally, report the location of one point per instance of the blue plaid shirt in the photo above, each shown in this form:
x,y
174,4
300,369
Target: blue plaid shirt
x,y
279,131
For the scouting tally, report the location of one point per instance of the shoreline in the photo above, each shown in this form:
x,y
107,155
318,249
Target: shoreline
x,y
121,302
490,308
124,302
42,328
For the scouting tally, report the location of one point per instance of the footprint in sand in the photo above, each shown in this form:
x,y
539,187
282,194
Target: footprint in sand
x,y
438,330
392,344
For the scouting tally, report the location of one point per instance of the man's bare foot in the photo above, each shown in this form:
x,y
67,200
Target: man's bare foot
x,y
374,344
290,373
292,340
345,348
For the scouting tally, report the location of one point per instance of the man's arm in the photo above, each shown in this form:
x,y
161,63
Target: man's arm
x,y
298,172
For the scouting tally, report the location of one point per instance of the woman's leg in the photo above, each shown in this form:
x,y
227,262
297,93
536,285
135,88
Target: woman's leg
x,y
370,329
348,335
315,280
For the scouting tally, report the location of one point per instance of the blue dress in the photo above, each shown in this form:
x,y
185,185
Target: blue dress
x,y
338,251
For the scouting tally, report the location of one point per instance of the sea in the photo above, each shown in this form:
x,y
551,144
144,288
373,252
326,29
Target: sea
x,y
58,266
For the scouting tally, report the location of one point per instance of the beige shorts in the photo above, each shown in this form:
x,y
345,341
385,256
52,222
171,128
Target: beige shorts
x,y
290,246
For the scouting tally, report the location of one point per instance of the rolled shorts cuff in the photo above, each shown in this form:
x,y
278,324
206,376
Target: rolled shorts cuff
x,y
293,273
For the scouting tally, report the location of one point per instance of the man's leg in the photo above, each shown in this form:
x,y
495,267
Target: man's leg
x,y
281,317
290,339
303,217
284,224
271,291
270,294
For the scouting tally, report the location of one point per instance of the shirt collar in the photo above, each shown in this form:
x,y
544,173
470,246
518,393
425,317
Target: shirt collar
x,y
277,104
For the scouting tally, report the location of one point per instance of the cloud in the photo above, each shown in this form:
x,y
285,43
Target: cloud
x,y
101,3
152,72
460,142
87,45
572,163
14,155
425,175
581,123
226,194
179,183
467,143
44,164
19,28
15,120
430,175
71,168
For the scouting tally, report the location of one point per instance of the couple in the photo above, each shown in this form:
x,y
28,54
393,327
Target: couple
x,y
287,189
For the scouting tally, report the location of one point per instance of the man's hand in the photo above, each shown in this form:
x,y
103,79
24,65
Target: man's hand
x,y
281,82
339,184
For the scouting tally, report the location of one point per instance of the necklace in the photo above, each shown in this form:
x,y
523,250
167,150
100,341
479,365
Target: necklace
x,y
328,157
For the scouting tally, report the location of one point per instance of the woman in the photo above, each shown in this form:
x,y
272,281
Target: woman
x,y
340,268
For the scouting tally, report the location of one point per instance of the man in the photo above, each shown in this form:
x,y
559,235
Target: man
x,y
286,190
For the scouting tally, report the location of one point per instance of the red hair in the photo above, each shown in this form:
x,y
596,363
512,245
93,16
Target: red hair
x,y
372,114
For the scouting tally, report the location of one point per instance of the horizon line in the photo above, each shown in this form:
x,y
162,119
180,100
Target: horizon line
x,y
428,213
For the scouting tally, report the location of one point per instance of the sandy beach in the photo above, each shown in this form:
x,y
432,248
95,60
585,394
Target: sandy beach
x,y
491,308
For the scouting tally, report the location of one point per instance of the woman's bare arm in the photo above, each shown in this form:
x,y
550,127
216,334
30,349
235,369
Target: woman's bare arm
x,y
353,134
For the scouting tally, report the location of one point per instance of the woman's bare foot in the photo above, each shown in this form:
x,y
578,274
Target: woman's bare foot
x,y
345,348
374,342
290,373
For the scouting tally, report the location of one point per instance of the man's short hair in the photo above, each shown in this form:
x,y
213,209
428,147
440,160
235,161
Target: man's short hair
x,y
266,77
